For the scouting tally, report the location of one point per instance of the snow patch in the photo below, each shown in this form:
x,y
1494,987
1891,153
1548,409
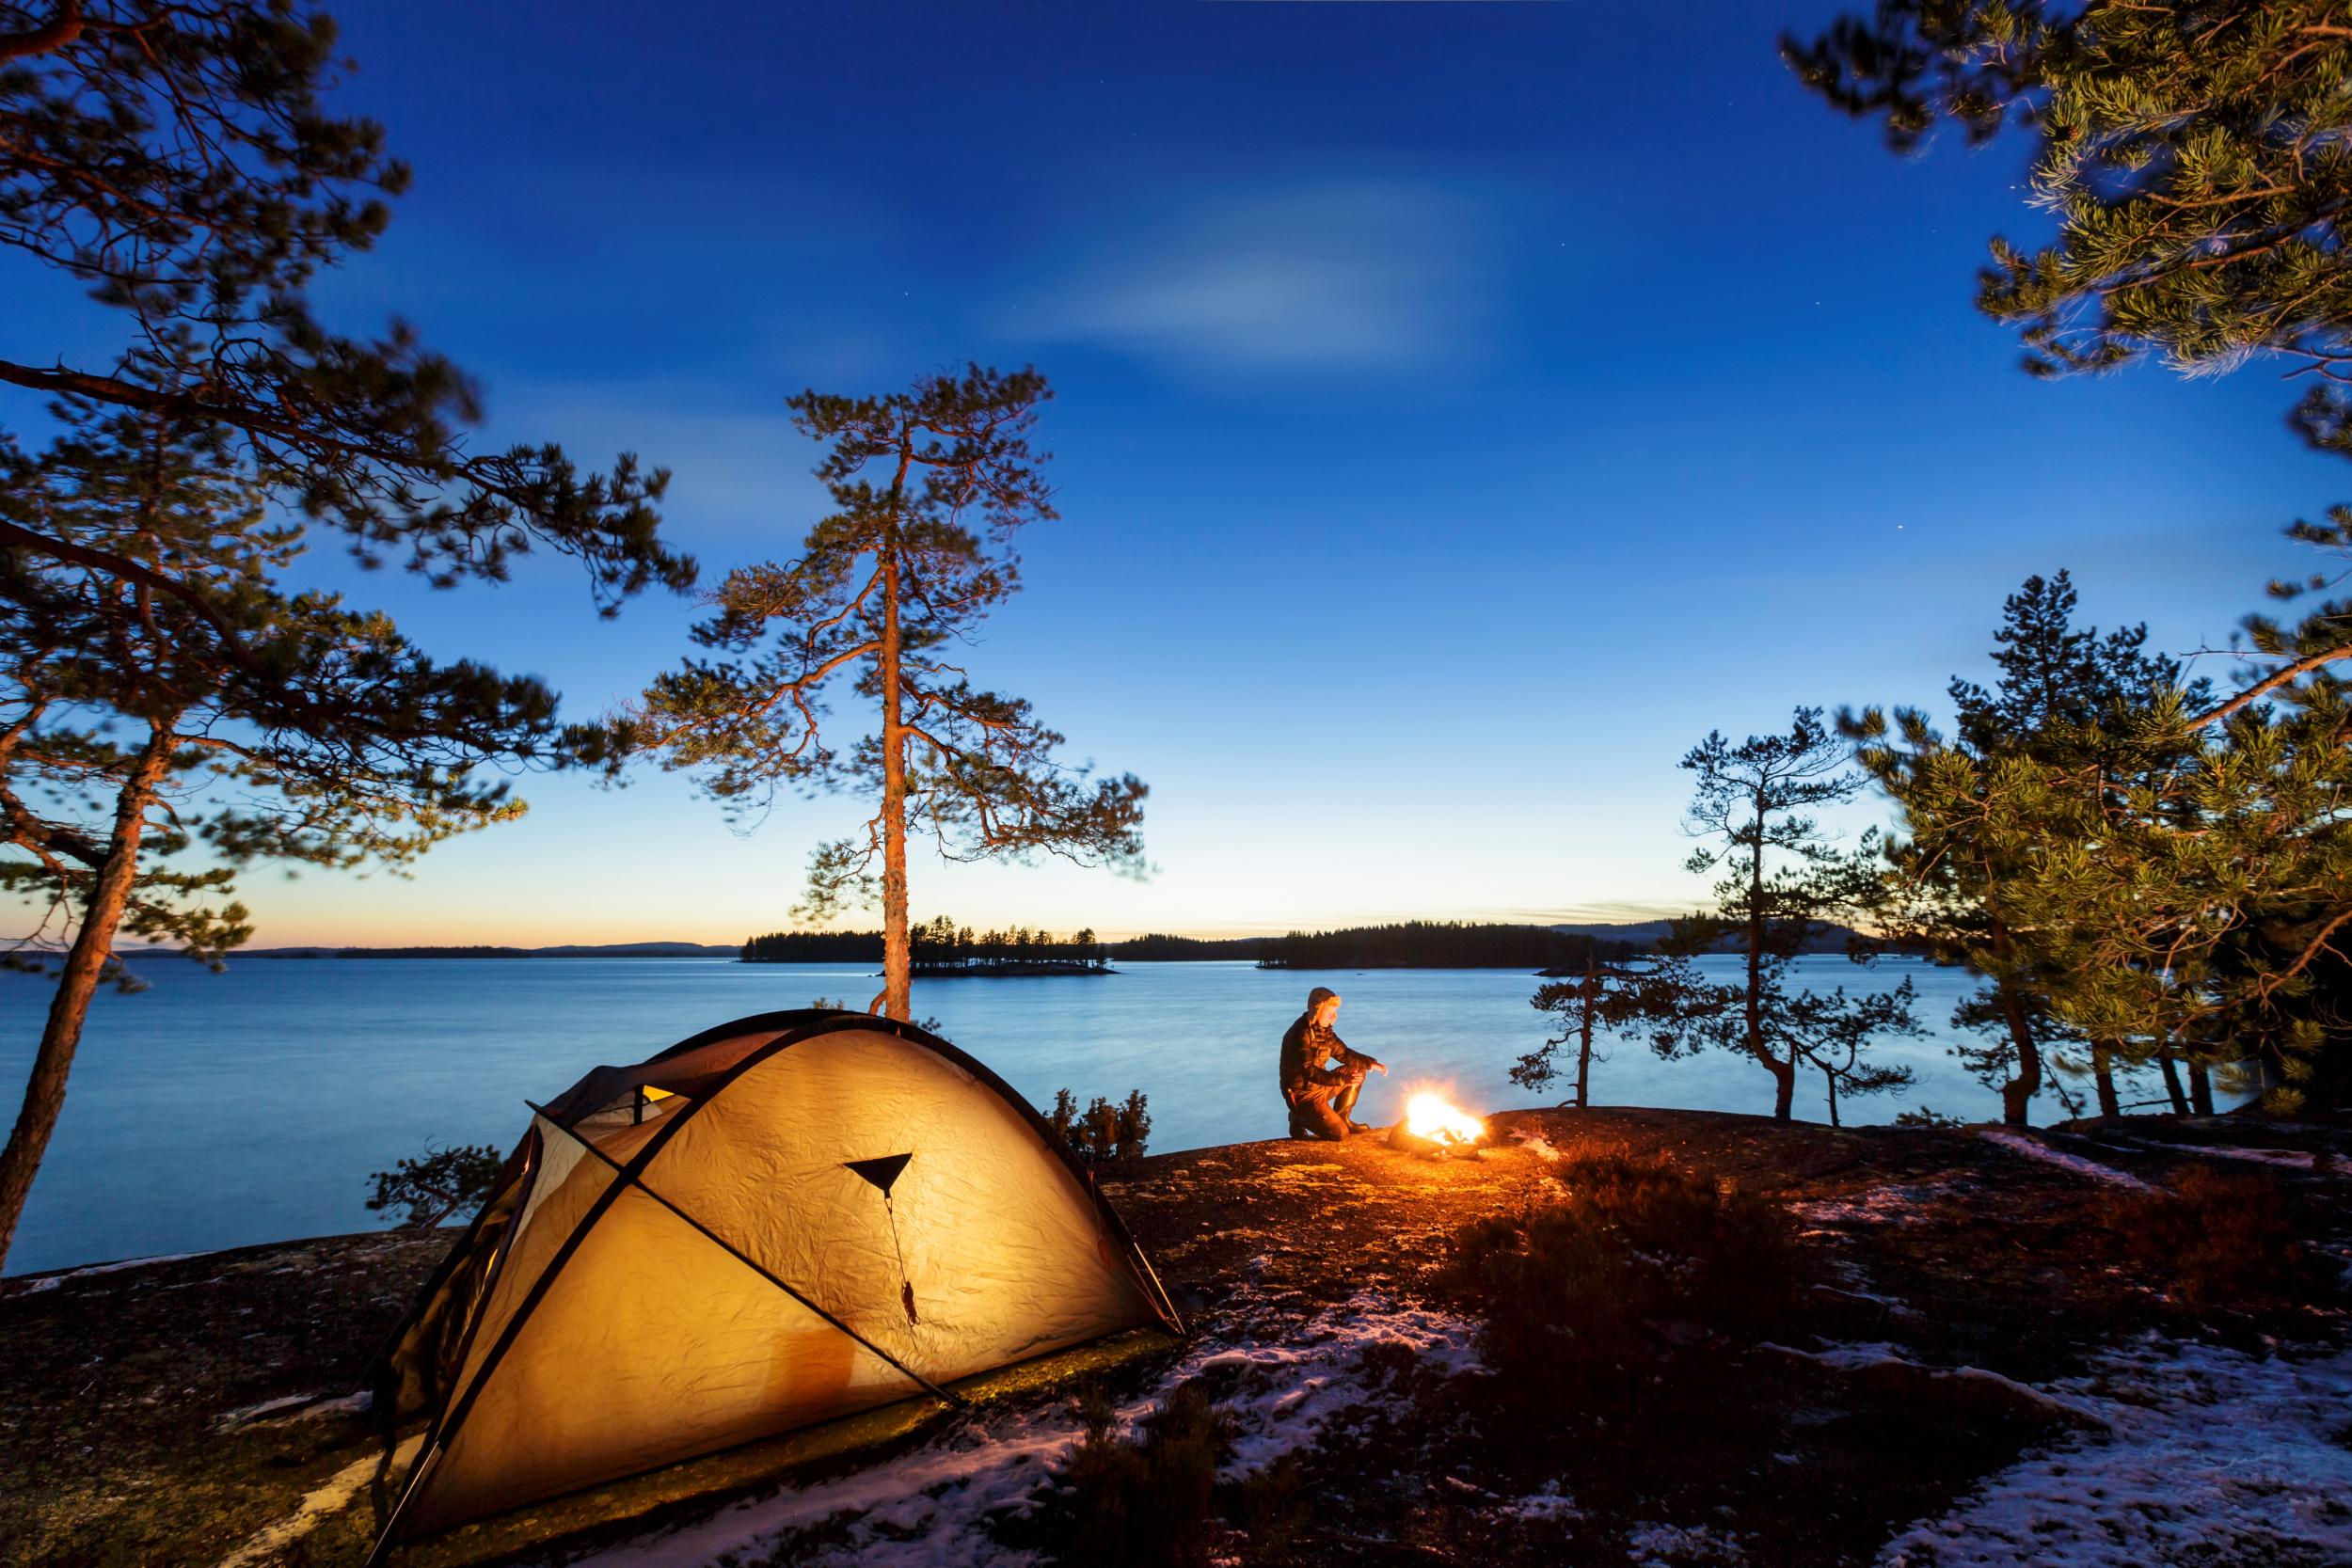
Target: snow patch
x,y
2213,1456
328,1497
300,1407
1894,1203
932,1506
2033,1149
1656,1546
2296,1159
51,1281
1851,1356
1549,1503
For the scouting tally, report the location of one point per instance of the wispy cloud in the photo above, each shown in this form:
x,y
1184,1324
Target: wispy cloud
x,y
1330,275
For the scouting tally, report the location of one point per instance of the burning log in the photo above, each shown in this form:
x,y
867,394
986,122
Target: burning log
x,y
1434,1129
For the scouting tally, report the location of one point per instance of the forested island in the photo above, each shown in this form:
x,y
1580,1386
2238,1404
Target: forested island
x,y
942,949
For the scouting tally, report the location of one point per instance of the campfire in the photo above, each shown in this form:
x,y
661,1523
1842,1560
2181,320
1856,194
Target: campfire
x,y
1437,1129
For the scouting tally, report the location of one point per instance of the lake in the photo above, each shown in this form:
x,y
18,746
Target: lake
x,y
220,1110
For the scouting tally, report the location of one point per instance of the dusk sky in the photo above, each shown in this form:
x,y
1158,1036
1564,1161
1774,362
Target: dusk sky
x,y
1446,439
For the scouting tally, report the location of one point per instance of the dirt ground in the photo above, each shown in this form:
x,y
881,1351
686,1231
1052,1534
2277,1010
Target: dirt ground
x,y
130,1398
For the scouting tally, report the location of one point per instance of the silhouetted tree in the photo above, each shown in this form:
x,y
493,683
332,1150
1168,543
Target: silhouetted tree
x,y
1604,997
177,159
193,702
906,564
436,1186
1783,882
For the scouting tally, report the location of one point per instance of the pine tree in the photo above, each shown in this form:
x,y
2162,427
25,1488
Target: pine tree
x,y
190,705
930,486
2196,155
1606,996
2032,764
178,160
1784,882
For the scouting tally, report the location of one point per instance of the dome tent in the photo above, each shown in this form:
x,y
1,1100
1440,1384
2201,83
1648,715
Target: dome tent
x,y
780,1221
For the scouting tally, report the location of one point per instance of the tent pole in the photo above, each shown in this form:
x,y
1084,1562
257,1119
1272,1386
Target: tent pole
x,y
749,1262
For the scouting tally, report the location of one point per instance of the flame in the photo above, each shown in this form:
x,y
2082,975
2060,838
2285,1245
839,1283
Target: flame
x,y
1430,1115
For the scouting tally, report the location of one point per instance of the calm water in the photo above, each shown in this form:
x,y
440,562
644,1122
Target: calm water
x,y
215,1111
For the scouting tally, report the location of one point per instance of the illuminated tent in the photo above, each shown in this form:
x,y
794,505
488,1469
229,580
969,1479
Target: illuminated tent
x,y
780,1221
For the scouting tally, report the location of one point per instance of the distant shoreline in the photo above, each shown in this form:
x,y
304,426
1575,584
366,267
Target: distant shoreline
x,y
617,950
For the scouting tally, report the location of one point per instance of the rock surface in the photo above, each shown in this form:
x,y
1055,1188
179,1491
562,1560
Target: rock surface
x,y
195,1411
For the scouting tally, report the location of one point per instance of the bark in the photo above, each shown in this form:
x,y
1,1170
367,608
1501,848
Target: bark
x,y
2103,1078
1585,1035
1831,1079
2172,1083
897,979
61,31
2017,1094
2199,1089
78,984
1784,1074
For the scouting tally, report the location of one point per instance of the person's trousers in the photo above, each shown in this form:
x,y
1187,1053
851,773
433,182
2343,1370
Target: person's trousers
x,y
1322,1110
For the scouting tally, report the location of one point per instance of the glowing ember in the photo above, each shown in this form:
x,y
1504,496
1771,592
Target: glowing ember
x,y
1433,1116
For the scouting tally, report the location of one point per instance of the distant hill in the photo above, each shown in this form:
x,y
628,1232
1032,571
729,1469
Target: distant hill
x,y
1644,935
1435,944
1159,948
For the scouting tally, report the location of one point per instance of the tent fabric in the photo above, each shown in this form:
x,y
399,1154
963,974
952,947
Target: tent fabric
x,y
733,1256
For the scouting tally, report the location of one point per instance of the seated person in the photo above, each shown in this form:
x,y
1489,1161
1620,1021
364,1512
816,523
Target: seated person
x,y
1320,1095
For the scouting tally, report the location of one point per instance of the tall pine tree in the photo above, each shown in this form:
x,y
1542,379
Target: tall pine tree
x,y
930,487
2028,766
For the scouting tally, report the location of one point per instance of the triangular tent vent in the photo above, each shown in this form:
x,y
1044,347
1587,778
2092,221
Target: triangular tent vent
x,y
881,1172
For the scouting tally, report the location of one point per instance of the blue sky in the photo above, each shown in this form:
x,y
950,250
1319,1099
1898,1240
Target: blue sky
x,y
1462,409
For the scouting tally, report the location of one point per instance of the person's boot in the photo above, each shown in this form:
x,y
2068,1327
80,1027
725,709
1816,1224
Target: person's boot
x,y
1355,1125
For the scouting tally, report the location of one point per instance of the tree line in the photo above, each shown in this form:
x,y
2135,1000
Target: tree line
x,y
939,947
1433,944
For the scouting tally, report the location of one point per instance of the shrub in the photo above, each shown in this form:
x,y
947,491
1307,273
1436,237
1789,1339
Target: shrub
x,y
2223,1240
441,1183
1146,1504
1103,1134
1628,1277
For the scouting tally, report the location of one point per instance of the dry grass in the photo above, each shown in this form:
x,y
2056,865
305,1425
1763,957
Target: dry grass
x,y
1145,1504
1639,1272
2223,1241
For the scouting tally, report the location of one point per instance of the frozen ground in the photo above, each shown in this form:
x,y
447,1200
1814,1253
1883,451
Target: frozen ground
x,y
2212,1457
1280,1392
2034,1148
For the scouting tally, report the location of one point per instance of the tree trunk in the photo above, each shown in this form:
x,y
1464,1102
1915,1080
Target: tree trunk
x,y
2172,1083
2199,1089
1831,1079
1784,1074
2017,1094
2103,1077
1585,1033
897,979
77,983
